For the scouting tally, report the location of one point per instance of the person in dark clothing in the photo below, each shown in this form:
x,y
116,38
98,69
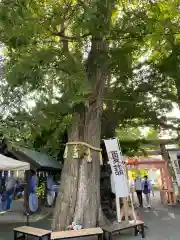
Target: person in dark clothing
x,y
146,187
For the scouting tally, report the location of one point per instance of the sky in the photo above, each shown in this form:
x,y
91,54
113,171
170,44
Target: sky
x,y
175,113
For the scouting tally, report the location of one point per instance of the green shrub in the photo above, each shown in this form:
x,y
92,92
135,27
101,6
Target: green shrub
x,y
40,190
155,187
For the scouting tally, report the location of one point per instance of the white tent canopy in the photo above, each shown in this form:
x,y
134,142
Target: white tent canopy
x,y
10,164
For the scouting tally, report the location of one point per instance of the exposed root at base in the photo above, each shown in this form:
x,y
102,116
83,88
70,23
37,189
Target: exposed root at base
x,y
103,220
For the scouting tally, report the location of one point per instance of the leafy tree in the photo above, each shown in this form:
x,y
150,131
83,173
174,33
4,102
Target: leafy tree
x,y
69,56
129,134
152,134
163,58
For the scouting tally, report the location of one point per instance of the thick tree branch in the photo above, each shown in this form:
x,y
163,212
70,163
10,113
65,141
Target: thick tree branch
x,y
71,38
64,41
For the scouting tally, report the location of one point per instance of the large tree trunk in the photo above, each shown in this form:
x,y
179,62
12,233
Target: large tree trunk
x,y
79,197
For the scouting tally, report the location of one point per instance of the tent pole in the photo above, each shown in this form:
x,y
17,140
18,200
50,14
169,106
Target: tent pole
x,y
26,191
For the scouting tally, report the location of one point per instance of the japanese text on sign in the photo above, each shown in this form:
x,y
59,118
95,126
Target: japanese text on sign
x,y
117,165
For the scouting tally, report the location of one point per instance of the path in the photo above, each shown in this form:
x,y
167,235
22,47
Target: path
x,y
163,223
17,215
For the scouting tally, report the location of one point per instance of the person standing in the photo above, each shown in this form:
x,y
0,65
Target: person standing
x,y
33,182
138,189
33,198
50,190
50,182
146,187
10,189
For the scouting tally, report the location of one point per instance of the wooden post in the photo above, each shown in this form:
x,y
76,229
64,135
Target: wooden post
x,y
164,153
133,211
26,192
126,210
118,209
130,197
165,156
162,183
45,190
163,178
167,180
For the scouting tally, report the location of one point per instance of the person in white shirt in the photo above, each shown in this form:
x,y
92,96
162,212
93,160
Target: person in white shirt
x,y
50,190
138,188
50,183
10,189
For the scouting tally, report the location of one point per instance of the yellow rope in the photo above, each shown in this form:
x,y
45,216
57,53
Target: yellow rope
x,y
85,144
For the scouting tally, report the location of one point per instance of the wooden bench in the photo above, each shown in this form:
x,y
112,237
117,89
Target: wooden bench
x,y
123,226
78,233
22,232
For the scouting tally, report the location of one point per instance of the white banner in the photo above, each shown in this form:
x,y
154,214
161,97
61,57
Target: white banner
x,y
175,165
118,168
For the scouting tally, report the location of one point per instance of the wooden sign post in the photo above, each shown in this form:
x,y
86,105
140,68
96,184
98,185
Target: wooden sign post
x,y
119,181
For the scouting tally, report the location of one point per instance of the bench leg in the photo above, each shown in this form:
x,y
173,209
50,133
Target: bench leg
x,y
100,237
49,237
136,231
110,236
15,235
142,231
107,235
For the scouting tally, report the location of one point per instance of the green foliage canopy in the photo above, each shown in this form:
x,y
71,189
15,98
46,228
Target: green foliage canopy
x,y
47,44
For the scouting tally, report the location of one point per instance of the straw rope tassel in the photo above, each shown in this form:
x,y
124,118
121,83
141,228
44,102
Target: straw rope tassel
x,y
100,158
88,151
65,152
88,155
75,152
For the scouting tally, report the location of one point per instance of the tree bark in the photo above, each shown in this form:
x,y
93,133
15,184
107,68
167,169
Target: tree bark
x,y
79,196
